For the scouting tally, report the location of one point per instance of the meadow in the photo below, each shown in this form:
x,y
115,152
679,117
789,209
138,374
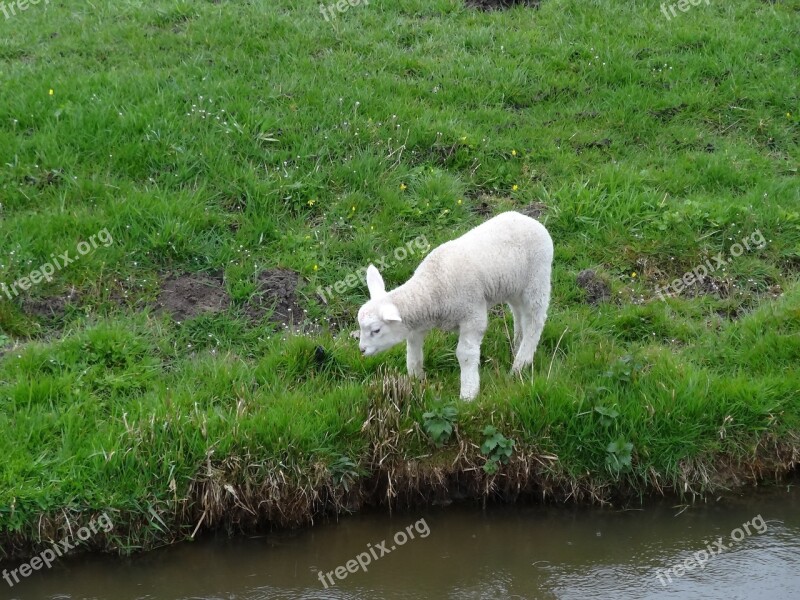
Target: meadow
x,y
229,159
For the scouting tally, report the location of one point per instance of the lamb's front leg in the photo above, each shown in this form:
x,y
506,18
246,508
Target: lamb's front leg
x,y
468,353
414,355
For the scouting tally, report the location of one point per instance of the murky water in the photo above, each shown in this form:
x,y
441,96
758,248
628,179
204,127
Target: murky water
x,y
466,553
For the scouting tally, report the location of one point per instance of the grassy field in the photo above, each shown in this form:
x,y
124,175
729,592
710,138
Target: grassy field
x,y
194,159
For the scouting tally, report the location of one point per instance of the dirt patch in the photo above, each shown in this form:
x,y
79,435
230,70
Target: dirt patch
x,y
597,289
500,4
50,309
483,208
277,291
187,296
667,114
487,205
44,179
599,144
708,286
534,209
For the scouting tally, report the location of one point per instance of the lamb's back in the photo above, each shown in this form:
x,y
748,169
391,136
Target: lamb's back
x,y
493,260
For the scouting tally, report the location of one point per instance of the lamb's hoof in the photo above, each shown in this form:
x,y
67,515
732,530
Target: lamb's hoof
x,y
519,371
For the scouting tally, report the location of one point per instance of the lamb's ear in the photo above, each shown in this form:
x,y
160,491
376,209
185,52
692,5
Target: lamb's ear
x,y
390,313
375,282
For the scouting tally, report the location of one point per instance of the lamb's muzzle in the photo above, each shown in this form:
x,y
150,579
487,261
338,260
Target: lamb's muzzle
x,y
507,259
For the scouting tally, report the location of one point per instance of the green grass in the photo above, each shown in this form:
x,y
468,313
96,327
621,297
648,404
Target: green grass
x,y
237,137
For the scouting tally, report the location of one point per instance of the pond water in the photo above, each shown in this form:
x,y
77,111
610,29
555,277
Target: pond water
x,y
738,546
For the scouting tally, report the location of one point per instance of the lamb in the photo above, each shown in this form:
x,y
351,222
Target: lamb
x,y
507,259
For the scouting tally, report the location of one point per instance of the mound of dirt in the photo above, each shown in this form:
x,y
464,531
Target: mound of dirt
x,y
277,291
186,296
597,289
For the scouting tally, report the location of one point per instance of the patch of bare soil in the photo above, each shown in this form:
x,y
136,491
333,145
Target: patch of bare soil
x,y
534,209
596,288
44,179
277,291
187,296
599,144
50,309
500,4
487,205
667,114
708,286
483,207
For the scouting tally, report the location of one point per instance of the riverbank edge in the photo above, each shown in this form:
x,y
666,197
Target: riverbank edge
x,y
223,497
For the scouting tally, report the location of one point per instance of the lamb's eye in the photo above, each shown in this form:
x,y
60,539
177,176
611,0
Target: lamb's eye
x,y
376,331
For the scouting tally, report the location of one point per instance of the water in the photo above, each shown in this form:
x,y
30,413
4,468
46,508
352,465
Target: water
x,y
465,553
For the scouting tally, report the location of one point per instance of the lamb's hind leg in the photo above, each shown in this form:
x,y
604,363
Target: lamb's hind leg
x,y
533,316
516,312
468,353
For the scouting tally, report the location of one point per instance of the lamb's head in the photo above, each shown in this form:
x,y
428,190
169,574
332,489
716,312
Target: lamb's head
x,y
379,319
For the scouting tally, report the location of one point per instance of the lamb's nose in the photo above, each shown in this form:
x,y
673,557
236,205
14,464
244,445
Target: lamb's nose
x,y
362,348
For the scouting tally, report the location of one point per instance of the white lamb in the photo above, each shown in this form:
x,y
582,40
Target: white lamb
x,y
506,259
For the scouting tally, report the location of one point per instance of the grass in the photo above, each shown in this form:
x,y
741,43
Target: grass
x,y
236,137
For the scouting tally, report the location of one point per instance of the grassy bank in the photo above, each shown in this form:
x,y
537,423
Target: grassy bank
x,y
230,159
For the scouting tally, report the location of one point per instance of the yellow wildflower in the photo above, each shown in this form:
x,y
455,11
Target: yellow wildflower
x,y
51,92
402,186
514,187
513,153
316,268
311,202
